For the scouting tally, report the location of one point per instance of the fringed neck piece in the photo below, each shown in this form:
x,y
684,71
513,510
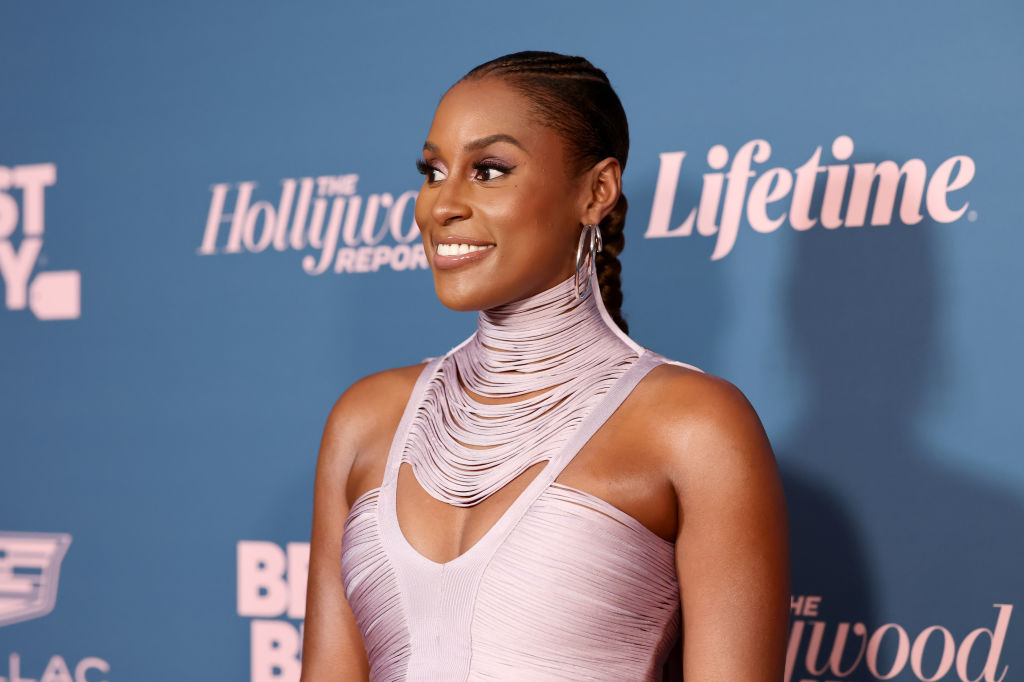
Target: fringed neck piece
x,y
462,449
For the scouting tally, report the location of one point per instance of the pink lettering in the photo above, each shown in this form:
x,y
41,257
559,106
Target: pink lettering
x,y
772,186
252,244
940,186
902,651
664,198
874,184
284,208
917,654
996,639
310,264
216,216
739,174
345,262
381,256
363,255
419,258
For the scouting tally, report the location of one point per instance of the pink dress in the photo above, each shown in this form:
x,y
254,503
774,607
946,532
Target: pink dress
x,y
565,586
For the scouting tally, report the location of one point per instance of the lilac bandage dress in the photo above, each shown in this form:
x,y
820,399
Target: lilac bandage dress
x,y
565,586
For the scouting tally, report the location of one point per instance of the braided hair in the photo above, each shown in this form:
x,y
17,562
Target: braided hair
x,y
575,99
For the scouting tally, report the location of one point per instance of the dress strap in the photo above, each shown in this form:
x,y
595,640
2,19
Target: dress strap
x,y
394,459
598,415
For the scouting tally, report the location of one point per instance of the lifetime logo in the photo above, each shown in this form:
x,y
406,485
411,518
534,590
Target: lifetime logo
x,y
349,234
872,183
52,295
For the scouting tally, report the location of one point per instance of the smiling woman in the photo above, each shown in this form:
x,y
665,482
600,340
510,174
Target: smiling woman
x,y
548,500
497,176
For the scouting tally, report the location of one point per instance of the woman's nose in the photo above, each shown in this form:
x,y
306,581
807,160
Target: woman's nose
x,y
451,203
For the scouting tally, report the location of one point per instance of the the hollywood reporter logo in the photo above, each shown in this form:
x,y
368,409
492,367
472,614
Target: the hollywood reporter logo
x,y
874,184
823,651
323,215
51,295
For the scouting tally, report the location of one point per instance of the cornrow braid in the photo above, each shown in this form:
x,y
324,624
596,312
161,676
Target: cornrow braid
x,y
575,99
609,269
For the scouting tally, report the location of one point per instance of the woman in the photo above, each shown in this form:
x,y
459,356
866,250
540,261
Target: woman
x,y
548,500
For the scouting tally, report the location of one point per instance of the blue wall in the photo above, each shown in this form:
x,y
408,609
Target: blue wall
x,y
167,416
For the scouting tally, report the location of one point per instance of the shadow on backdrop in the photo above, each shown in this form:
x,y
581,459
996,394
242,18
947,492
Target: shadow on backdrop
x,y
881,529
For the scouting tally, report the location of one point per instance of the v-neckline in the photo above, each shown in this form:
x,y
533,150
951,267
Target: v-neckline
x,y
506,517
585,430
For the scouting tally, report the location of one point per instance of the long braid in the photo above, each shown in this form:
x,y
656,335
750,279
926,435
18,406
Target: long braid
x,y
575,98
609,269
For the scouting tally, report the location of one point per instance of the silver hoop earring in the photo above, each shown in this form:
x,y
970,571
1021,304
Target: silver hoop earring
x,y
591,237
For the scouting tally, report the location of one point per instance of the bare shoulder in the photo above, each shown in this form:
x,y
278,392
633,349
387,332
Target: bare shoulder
x,y
366,397
703,426
732,552
332,646
364,411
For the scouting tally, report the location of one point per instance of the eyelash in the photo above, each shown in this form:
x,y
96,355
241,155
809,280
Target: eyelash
x,y
426,169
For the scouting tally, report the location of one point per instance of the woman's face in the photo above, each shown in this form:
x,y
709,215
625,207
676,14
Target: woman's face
x,y
497,182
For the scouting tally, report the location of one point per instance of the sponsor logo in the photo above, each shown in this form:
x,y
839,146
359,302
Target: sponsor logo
x,y
29,573
845,200
51,295
322,217
57,670
823,651
272,592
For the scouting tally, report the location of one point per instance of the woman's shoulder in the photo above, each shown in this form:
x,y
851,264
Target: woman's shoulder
x,y
370,403
697,418
383,382
371,392
687,391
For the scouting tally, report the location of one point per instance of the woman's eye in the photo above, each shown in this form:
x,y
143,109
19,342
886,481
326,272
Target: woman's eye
x,y
433,174
488,172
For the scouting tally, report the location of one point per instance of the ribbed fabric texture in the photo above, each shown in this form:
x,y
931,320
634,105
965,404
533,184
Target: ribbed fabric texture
x,y
564,586
461,449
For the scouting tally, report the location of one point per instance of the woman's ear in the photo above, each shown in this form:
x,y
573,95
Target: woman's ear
x,y
602,188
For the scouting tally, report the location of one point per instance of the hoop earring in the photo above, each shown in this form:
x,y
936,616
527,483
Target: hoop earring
x,y
591,236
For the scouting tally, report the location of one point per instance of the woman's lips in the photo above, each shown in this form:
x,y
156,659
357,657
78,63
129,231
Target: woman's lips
x,y
453,259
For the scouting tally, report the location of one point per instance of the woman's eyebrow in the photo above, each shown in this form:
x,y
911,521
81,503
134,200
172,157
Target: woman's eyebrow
x,y
479,143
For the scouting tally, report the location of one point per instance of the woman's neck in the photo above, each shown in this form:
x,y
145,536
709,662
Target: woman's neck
x,y
512,394
534,343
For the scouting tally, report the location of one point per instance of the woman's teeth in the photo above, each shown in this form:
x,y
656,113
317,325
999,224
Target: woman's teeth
x,y
459,249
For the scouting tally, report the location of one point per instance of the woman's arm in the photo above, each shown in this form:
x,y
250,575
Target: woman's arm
x,y
332,648
732,547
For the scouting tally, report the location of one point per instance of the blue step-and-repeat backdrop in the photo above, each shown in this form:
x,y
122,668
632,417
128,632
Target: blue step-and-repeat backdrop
x,y
206,234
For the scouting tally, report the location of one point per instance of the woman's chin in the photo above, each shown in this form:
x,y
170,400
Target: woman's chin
x,y
459,301
480,288
465,296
